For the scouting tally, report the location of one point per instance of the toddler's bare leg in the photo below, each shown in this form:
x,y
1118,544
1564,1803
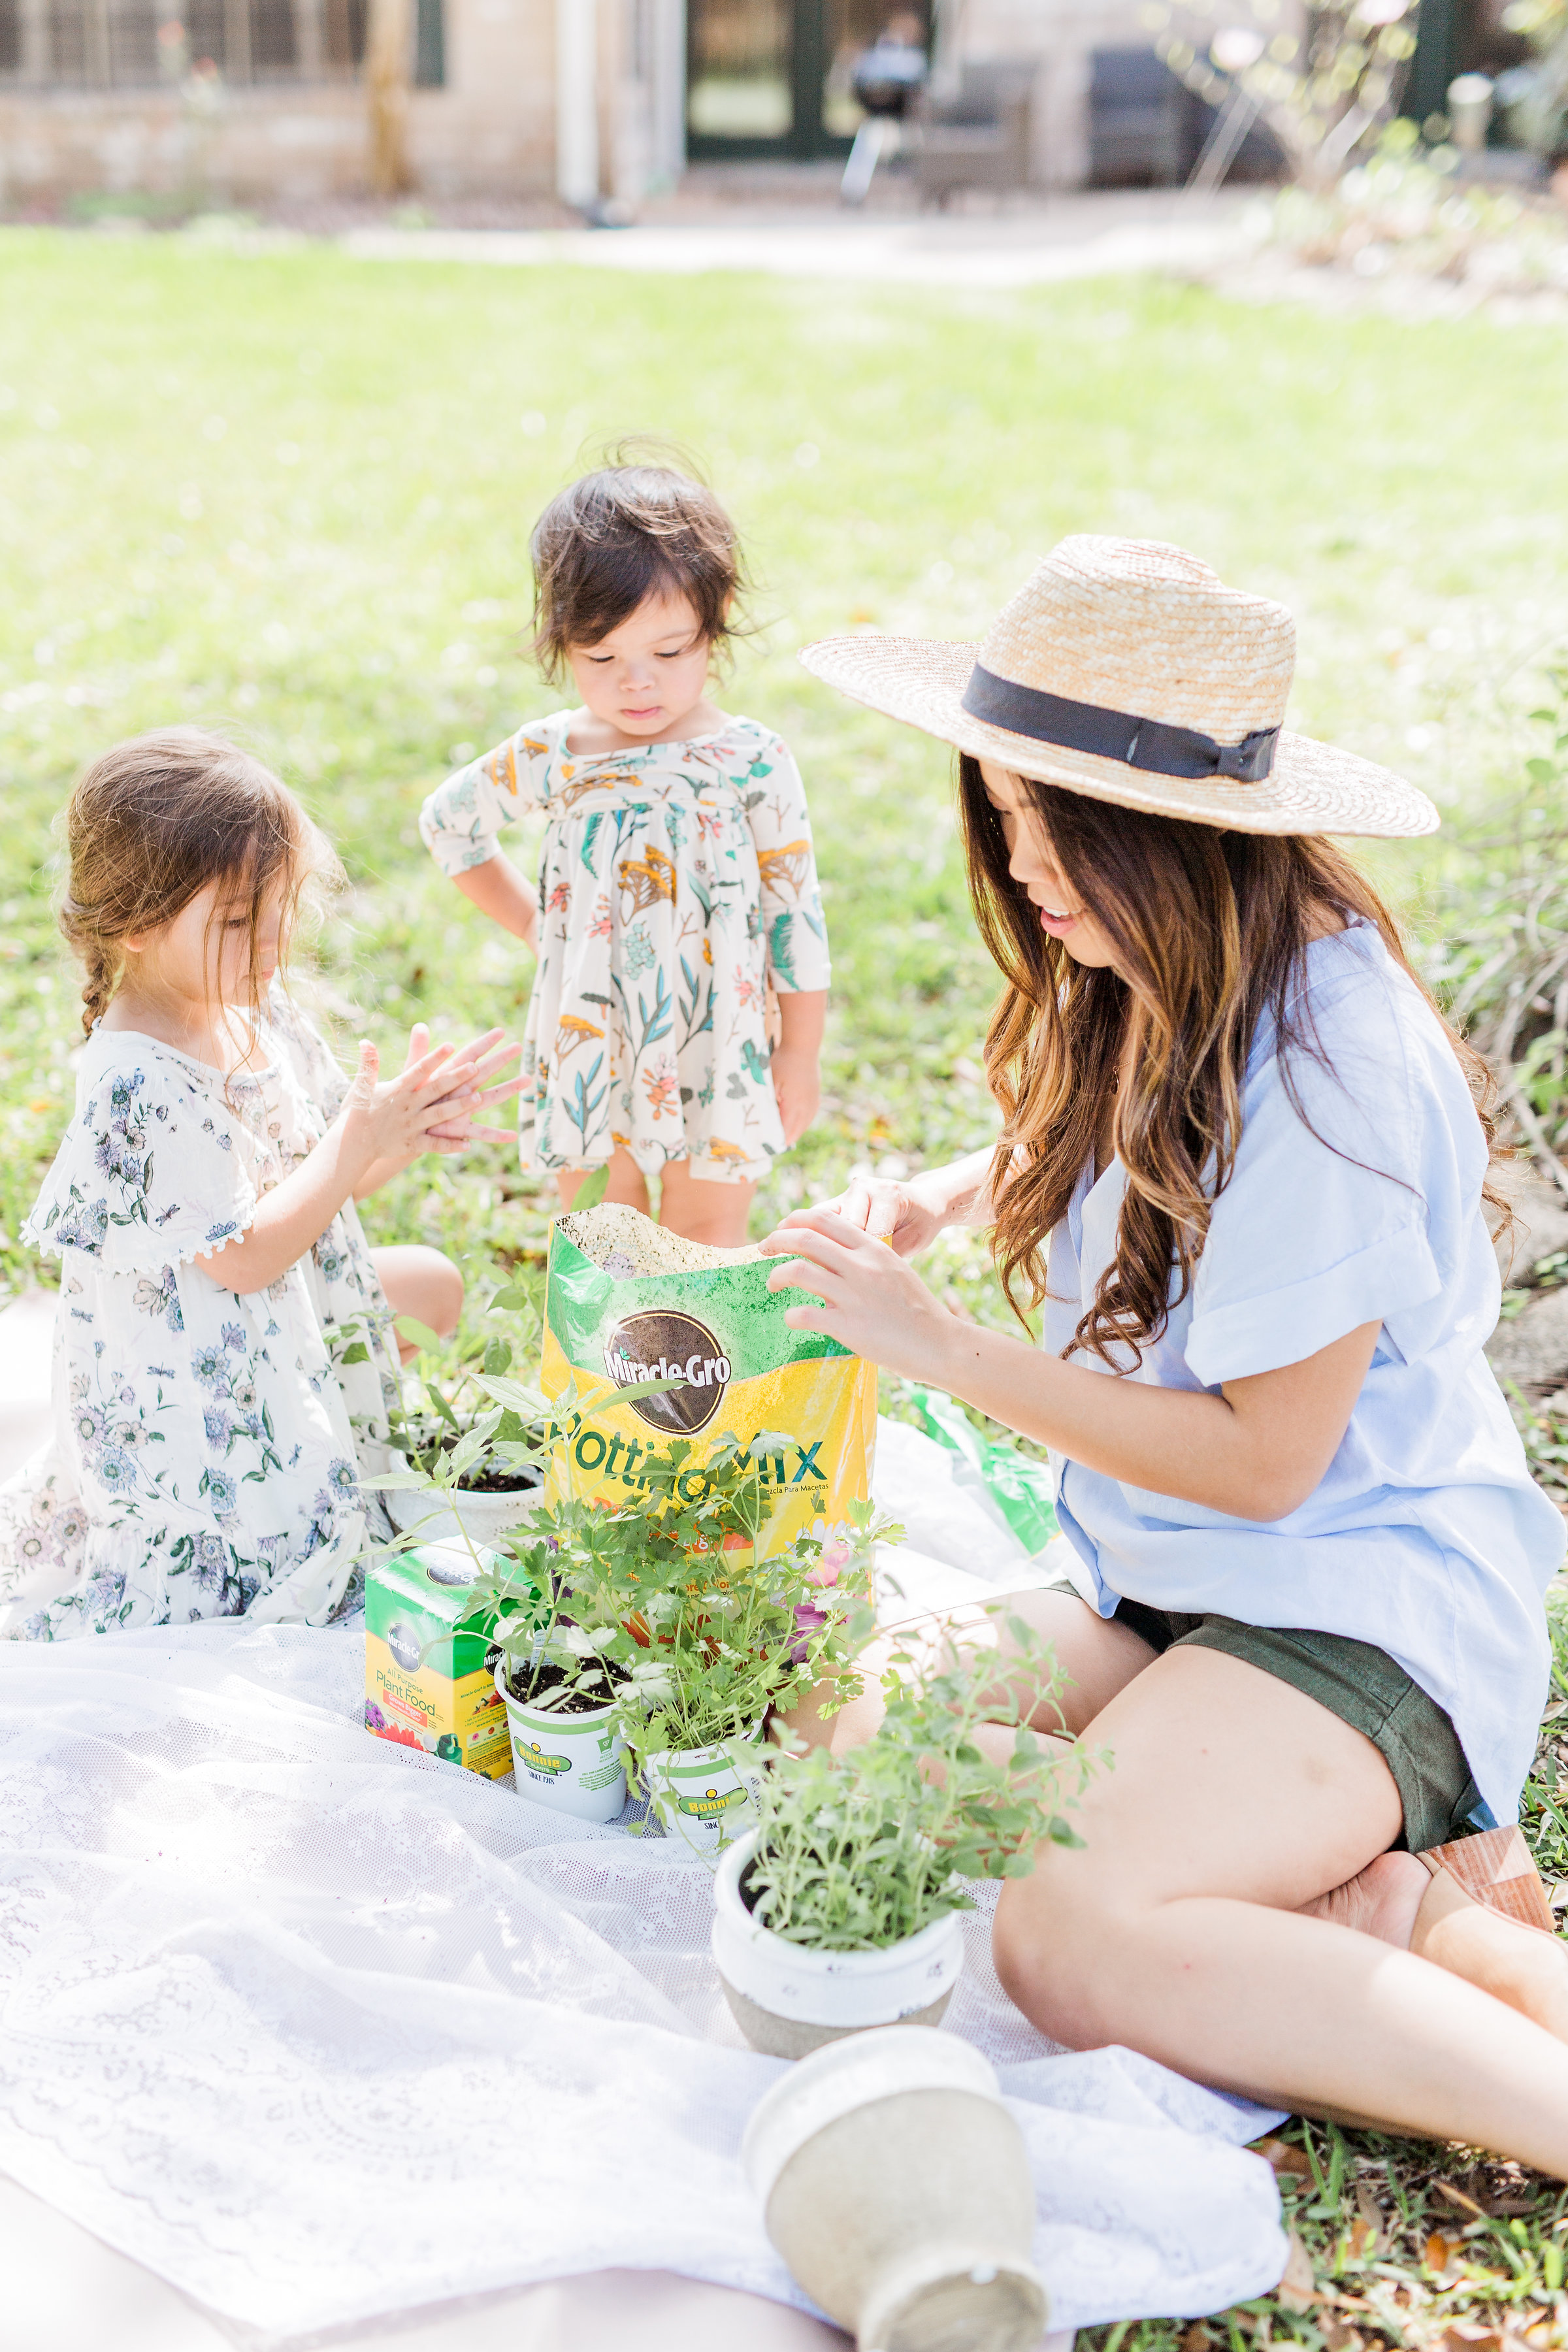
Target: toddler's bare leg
x,y
701,1210
422,1283
626,1187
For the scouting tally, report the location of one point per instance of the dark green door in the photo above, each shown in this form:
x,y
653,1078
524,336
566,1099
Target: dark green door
x,y
772,78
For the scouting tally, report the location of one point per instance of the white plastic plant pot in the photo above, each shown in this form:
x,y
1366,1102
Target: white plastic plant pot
x,y
788,1999
447,1516
575,1762
699,1795
897,2186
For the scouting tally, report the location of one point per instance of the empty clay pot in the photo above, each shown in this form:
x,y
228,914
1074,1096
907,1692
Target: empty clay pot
x,y
788,1999
897,2186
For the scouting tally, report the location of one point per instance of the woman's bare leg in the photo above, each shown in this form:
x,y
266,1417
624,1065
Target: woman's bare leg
x,y
1179,1928
1397,1899
1097,1656
626,1187
422,1283
700,1210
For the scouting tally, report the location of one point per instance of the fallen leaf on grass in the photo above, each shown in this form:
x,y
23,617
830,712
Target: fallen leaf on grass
x,y
1437,2253
1196,2337
1457,2197
1296,2290
1370,2213
1284,2158
1362,2241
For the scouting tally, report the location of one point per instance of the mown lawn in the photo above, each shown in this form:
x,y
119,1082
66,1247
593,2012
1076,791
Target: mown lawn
x,y
290,494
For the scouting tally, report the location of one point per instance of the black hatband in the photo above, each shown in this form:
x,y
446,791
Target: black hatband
x,y
1149,743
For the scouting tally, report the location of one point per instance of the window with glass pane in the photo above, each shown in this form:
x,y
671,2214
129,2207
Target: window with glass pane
x,y
739,70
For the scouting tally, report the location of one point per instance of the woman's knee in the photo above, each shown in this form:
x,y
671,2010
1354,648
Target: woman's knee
x,y
1057,1947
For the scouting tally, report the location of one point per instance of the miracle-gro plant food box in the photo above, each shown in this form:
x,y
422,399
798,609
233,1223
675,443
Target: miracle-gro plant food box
x,y
442,1698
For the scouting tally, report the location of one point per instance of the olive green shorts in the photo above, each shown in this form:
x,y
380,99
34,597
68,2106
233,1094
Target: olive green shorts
x,y
1353,1680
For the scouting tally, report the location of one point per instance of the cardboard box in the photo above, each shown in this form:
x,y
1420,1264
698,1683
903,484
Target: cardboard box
x,y
426,1680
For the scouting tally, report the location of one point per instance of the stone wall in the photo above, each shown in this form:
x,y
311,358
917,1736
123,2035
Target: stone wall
x,y
491,131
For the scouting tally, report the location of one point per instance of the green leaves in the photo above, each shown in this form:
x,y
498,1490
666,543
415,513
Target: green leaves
x,y
592,1190
859,1852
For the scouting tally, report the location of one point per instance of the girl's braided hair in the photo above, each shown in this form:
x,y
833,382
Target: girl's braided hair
x,y
153,821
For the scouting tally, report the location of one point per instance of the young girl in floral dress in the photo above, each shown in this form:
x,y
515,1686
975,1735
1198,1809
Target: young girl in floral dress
x,y
223,1345
676,1013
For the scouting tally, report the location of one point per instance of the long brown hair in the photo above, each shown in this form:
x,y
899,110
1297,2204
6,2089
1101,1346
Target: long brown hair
x,y
155,819
1208,929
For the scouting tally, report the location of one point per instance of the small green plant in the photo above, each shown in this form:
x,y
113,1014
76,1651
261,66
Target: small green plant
x,y
668,1609
859,1852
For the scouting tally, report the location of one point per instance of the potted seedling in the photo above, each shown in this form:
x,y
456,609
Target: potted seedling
x,y
660,1629
467,1467
840,1911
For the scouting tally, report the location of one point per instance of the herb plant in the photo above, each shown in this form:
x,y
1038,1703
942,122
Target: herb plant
x,y
667,1608
859,1852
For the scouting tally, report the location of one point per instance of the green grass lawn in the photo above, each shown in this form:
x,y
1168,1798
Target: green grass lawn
x,y
291,494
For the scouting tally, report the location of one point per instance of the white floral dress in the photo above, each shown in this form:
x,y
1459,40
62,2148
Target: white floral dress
x,y
203,1461
677,887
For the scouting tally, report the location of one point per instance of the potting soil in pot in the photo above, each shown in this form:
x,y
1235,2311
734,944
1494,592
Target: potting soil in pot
x,y
426,1680
627,1302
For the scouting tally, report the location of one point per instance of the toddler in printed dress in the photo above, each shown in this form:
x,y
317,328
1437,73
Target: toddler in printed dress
x,y
678,906
223,1343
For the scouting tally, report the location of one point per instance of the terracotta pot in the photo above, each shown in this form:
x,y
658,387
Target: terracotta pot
x,y
897,2186
788,1999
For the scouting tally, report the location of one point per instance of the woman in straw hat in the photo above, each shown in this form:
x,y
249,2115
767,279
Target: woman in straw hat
x,y
1242,1169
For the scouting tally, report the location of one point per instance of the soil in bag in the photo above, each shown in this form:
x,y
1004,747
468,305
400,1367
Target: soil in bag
x,y
627,1302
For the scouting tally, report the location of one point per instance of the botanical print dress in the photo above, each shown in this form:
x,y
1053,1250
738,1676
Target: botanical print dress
x,y
203,1461
678,886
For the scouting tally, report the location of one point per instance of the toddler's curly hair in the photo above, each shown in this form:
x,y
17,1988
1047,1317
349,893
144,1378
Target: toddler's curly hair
x,y
631,530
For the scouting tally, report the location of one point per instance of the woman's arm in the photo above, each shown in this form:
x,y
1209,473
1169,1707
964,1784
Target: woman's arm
x,y
1256,1450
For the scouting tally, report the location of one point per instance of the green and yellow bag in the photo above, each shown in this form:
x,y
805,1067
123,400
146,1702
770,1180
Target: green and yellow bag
x,y
626,1303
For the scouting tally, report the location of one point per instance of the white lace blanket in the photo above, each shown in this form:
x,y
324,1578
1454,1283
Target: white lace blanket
x,y
320,2029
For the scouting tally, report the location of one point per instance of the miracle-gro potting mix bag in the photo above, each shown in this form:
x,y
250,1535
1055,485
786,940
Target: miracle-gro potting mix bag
x,y
627,1302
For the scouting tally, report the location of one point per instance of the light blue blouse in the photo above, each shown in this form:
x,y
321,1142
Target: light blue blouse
x,y
1426,1535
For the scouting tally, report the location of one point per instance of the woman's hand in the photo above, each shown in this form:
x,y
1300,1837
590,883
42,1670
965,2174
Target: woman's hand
x,y
872,1302
889,1212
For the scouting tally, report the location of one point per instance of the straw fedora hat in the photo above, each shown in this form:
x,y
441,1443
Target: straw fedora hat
x,y
1127,670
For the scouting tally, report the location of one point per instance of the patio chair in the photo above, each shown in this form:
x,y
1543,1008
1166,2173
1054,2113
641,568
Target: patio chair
x,y
1140,121
977,137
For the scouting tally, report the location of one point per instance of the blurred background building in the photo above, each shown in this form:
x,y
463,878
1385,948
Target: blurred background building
x,y
599,104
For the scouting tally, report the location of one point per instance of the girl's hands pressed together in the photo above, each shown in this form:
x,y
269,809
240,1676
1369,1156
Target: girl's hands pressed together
x,y
873,1302
468,1069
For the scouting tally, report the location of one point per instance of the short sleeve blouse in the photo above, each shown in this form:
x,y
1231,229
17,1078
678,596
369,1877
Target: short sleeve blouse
x,y
1356,1197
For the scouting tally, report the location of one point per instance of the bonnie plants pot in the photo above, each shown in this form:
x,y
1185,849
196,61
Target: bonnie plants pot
x,y
575,1762
897,2186
701,1795
788,1999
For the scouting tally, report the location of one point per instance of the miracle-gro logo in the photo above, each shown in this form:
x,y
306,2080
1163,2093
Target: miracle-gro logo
x,y
663,1345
